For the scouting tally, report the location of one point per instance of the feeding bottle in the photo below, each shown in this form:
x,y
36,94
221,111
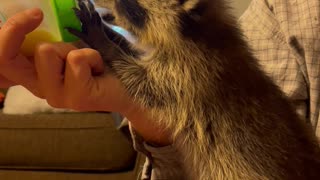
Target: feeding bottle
x,y
58,14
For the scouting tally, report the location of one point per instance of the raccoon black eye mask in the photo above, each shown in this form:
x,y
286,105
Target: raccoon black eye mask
x,y
192,69
131,9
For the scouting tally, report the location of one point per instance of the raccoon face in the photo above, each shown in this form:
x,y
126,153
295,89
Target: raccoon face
x,y
151,21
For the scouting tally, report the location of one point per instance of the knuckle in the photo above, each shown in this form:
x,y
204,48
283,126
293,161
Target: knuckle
x,y
45,48
88,51
91,52
79,56
11,25
75,57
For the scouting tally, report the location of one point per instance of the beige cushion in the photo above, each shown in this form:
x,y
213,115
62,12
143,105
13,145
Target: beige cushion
x,y
86,141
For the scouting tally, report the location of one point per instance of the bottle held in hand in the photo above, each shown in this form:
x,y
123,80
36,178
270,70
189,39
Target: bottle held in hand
x,y
57,15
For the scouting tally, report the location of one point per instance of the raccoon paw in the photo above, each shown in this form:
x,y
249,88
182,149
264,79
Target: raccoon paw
x,y
92,28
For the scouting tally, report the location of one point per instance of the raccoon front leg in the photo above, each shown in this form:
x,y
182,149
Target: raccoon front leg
x,y
120,41
122,59
98,35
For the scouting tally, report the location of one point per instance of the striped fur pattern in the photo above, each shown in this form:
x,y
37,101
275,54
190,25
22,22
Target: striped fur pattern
x,y
192,68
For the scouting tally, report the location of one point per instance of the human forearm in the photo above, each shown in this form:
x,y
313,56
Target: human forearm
x,y
146,127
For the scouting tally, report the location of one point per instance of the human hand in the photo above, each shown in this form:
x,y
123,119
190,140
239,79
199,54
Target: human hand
x,y
68,77
76,79
14,67
58,72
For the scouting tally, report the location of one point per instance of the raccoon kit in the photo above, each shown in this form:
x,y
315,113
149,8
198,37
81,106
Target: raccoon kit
x,y
191,67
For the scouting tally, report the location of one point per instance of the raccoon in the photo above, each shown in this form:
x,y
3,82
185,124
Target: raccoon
x,y
193,69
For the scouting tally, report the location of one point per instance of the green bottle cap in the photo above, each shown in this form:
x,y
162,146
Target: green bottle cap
x,y
66,17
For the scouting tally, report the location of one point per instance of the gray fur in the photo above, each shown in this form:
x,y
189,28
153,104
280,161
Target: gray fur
x,y
195,73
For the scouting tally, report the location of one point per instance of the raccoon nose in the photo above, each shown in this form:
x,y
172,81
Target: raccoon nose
x,y
105,14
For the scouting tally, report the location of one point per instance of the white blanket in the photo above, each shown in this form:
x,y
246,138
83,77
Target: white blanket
x,y
21,101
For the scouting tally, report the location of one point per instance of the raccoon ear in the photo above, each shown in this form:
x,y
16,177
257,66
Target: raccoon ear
x,y
187,5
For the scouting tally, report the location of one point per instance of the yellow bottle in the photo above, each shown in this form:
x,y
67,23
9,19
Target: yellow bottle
x,y
58,14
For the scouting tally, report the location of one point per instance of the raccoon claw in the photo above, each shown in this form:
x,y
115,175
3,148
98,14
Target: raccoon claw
x,y
76,32
91,23
87,13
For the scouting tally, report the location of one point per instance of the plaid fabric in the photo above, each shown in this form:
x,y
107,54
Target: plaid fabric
x,y
285,37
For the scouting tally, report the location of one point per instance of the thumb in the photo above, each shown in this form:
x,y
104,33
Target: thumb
x,y
83,64
13,32
79,84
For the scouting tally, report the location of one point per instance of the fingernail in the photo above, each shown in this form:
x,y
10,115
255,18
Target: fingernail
x,y
35,13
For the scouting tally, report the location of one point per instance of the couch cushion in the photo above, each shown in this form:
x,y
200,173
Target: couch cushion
x,y
70,141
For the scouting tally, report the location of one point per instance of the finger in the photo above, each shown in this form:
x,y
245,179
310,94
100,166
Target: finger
x,y
20,71
91,6
50,65
13,32
83,63
81,66
13,65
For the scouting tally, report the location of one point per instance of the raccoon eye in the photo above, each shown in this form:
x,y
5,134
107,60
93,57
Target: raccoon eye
x,y
133,11
108,17
181,2
105,14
